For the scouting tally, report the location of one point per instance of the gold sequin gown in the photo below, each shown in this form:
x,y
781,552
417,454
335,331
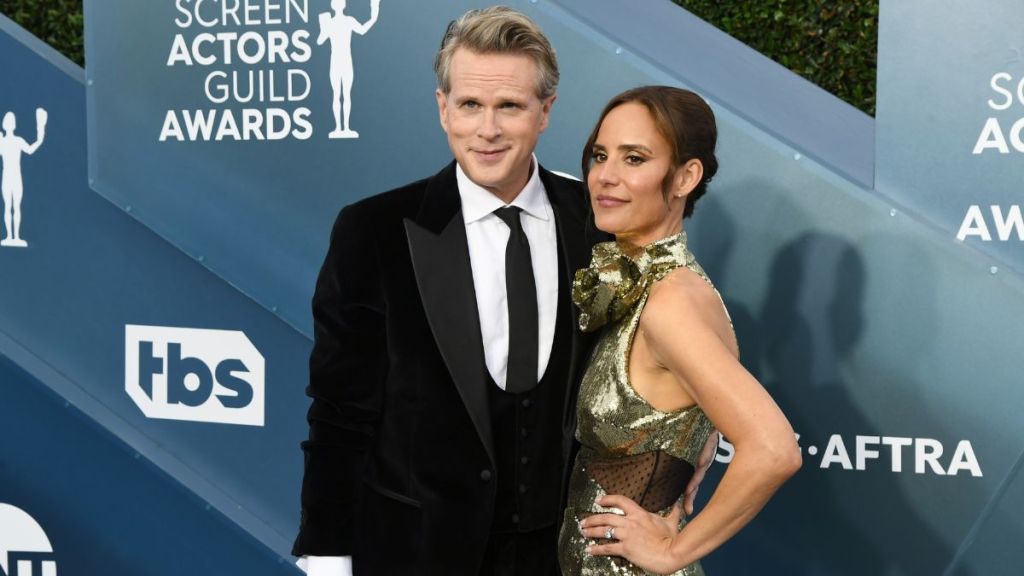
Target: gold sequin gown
x,y
627,446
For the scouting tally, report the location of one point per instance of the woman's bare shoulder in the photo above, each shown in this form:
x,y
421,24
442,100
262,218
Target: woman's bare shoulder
x,y
685,302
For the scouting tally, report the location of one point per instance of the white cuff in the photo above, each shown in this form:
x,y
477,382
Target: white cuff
x,y
326,565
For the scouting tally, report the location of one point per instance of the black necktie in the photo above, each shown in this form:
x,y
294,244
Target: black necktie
x,y
521,291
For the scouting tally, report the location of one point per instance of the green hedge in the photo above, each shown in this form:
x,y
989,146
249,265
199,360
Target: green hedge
x,y
58,22
831,43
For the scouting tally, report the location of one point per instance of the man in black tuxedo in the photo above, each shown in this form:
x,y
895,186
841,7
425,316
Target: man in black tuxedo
x,y
446,358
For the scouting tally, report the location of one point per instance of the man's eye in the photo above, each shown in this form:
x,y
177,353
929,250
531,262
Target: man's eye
x,y
471,105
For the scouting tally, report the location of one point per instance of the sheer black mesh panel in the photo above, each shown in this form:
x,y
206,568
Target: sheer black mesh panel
x,y
654,480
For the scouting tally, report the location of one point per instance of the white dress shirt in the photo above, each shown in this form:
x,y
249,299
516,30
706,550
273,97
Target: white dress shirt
x,y
487,236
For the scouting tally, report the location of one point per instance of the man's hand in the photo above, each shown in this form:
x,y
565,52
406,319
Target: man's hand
x,y
704,461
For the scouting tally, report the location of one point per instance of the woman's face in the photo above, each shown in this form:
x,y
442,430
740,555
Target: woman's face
x,y
630,160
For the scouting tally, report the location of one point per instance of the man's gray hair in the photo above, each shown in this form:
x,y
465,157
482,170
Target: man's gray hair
x,y
498,30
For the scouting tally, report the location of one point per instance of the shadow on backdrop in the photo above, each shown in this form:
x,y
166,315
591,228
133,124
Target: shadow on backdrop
x,y
800,345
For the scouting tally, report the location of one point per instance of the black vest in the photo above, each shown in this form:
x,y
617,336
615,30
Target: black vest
x,y
527,430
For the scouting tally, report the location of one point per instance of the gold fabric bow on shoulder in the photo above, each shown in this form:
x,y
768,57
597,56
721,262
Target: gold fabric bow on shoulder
x,y
620,274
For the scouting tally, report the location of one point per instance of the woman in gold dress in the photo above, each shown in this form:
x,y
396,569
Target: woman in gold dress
x,y
665,372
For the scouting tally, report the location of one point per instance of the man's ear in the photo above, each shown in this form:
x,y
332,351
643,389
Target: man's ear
x,y
545,111
442,108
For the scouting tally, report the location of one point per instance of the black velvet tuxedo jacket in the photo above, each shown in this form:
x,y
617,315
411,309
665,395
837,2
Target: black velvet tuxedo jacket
x,y
399,460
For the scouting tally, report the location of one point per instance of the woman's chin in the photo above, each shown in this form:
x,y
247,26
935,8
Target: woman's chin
x,y
606,224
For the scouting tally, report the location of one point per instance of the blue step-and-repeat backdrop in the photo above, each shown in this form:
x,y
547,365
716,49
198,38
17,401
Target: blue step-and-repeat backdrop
x,y
167,208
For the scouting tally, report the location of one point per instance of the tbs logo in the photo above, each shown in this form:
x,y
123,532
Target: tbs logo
x,y
24,546
193,374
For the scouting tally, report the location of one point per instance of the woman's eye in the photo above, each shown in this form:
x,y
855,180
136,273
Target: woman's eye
x,y
635,160
599,157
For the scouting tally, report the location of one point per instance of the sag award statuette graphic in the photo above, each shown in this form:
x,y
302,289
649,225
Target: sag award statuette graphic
x,y
338,28
12,147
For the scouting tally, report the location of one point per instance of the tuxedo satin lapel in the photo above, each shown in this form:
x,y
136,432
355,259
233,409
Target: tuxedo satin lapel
x,y
571,223
444,276
440,201
570,218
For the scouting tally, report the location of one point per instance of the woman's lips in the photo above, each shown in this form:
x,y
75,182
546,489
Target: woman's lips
x,y
606,201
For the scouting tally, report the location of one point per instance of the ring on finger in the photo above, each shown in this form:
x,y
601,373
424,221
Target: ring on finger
x,y
609,533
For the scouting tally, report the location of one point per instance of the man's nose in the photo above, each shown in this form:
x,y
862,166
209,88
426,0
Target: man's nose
x,y
490,125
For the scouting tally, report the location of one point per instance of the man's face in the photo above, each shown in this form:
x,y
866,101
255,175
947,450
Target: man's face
x,y
493,117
